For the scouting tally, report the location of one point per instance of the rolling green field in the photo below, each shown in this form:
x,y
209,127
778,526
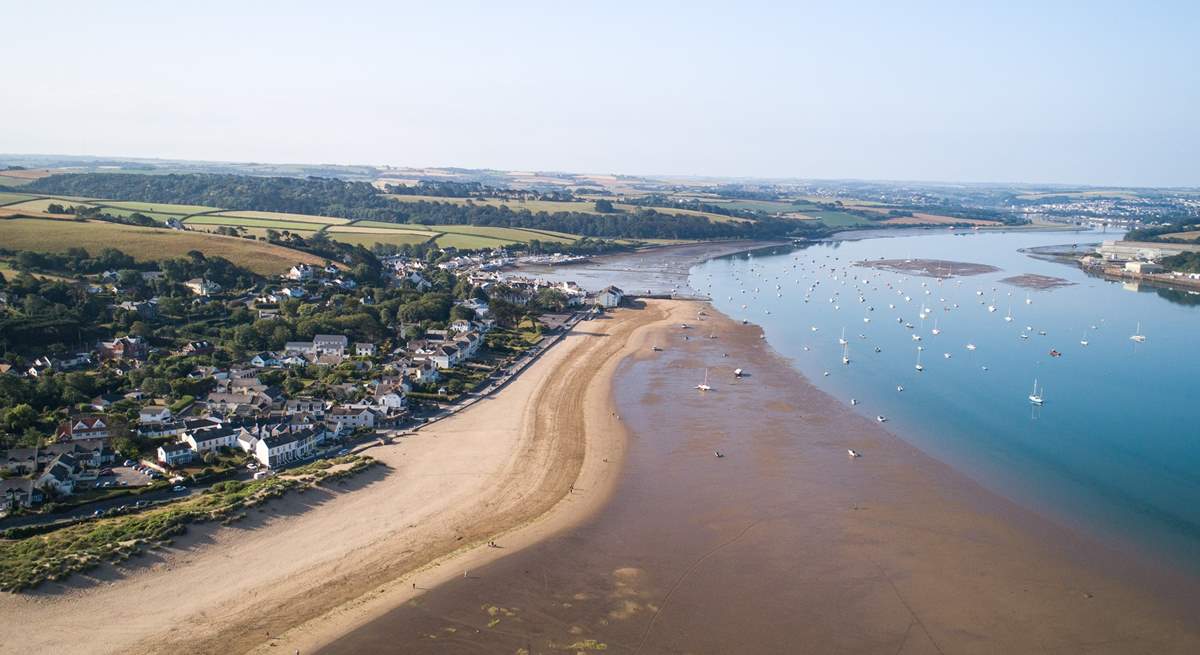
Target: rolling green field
x,y
839,219
10,198
146,243
41,205
768,206
397,238
496,234
280,216
216,219
10,181
157,207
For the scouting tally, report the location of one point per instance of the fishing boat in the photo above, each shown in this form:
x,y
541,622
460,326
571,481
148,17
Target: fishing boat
x,y
1036,396
703,386
655,349
853,401
718,454
852,453
1138,336
881,419
1055,353
737,372
899,387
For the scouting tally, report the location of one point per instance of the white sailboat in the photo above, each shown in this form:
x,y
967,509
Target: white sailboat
x,y
1084,340
1036,396
1138,336
842,339
703,386
918,366
970,346
936,330
845,353
1008,317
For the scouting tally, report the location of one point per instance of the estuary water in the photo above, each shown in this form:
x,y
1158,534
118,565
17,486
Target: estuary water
x,y
1114,451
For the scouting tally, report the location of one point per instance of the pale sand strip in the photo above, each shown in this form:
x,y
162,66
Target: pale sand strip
x,y
319,566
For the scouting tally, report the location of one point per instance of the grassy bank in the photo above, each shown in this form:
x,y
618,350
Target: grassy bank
x,y
27,562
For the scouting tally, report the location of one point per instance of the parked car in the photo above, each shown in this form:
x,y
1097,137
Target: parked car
x,y
178,488
129,462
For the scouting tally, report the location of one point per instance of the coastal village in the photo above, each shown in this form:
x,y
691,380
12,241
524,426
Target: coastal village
x,y
249,417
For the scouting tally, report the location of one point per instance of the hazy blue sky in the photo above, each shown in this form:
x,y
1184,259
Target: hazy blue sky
x,y
1086,92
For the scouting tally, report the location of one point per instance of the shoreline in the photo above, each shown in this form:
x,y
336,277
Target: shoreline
x,y
786,541
503,470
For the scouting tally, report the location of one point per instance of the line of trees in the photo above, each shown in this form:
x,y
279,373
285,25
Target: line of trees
x,y
360,200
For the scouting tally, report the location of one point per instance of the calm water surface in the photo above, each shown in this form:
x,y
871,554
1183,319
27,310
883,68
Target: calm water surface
x,y
1115,449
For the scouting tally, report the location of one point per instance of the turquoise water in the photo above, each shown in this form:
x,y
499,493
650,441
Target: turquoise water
x,y
1115,450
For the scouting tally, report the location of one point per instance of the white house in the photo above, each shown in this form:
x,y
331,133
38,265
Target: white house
x,y
264,360
423,372
330,344
300,272
154,414
202,287
278,449
390,397
609,297
174,454
211,439
363,349
348,418
305,406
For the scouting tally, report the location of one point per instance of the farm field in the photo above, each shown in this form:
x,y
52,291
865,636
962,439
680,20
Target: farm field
x,y
358,228
41,205
716,218
157,207
509,234
767,206
396,238
145,243
1189,235
281,216
10,198
838,219
9,273
239,221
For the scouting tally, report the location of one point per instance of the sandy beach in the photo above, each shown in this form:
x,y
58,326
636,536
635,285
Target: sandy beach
x,y
617,528
512,469
786,544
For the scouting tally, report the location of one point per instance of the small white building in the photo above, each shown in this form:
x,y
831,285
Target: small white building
x,y
364,349
202,287
609,297
154,414
1143,268
349,418
175,454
